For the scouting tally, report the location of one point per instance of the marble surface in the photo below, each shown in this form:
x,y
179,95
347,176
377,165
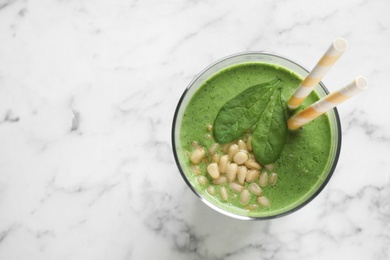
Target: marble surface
x,y
87,95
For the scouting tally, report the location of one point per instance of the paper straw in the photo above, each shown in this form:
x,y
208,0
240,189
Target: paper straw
x,y
323,66
328,102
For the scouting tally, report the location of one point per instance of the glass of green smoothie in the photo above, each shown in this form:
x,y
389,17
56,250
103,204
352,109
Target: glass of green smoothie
x,y
227,176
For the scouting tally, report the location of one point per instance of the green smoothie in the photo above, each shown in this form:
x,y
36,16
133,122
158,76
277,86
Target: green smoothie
x,y
301,166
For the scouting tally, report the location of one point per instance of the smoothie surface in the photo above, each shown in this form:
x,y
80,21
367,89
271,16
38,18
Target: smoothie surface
x,y
301,165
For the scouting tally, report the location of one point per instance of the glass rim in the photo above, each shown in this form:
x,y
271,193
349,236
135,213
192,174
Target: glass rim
x,y
235,215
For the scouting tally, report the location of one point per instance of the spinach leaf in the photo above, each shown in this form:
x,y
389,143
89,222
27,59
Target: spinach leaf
x,y
243,111
270,133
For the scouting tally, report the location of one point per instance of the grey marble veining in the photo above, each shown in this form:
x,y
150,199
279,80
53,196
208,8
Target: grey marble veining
x,y
87,95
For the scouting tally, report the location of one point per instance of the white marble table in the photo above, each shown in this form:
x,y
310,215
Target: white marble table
x,y
87,95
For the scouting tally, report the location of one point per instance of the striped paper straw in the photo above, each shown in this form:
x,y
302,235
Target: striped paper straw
x,y
328,102
323,66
